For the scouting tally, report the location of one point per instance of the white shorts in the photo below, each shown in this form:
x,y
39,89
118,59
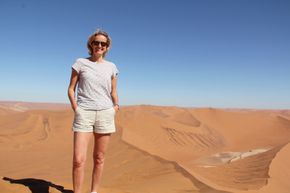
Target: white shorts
x,y
101,121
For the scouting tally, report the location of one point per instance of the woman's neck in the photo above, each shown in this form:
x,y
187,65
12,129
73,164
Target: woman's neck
x,y
95,58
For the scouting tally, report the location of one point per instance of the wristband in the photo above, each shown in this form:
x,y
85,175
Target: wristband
x,y
117,105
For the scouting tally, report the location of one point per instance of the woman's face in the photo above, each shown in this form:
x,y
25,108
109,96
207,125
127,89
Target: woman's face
x,y
99,45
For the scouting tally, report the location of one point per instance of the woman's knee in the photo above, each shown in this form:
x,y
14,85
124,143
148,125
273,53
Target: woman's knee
x,y
99,158
79,161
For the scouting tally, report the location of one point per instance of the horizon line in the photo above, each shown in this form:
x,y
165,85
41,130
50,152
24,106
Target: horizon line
x,y
156,105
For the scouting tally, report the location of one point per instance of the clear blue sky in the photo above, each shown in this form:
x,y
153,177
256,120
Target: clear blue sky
x,y
209,53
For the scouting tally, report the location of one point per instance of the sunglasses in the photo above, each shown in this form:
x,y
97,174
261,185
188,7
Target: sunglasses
x,y
96,43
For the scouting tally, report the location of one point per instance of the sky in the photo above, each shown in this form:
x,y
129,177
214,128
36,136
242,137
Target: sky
x,y
188,53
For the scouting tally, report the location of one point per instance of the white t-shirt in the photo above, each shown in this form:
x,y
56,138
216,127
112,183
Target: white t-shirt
x,y
94,85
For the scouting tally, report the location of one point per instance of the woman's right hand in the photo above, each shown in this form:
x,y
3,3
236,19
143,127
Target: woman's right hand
x,y
74,107
71,89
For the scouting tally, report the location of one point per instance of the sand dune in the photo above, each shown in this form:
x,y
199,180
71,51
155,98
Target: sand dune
x,y
24,106
156,150
244,174
212,131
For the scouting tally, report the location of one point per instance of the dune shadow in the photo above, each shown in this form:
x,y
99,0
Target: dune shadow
x,y
37,185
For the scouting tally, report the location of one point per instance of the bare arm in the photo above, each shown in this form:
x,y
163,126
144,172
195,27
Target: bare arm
x,y
114,93
71,89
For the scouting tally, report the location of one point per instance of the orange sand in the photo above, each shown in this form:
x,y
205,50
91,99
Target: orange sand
x,y
156,150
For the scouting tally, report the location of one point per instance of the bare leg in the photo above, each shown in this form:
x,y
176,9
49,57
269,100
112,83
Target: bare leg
x,y
101,144
81,141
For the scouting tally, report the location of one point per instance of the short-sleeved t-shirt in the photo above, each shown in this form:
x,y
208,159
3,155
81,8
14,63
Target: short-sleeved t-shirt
x,y
94,85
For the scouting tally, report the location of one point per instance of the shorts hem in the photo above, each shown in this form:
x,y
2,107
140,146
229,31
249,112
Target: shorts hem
x,y
82,130
105,132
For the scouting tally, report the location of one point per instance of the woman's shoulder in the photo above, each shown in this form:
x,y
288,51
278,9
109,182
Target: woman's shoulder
x,y
113,67
82,60
110,63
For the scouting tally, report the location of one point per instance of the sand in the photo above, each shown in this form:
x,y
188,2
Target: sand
x,y
155,150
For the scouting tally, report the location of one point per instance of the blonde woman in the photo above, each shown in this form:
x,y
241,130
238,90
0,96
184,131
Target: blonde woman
x,y
95,107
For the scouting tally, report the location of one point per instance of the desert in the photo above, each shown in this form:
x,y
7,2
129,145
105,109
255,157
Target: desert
x,y
157,149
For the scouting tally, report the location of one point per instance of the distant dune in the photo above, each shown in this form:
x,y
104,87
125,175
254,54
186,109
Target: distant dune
x,y
10,106
156,150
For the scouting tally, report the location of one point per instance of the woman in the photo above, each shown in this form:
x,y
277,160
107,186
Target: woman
x,y
95,108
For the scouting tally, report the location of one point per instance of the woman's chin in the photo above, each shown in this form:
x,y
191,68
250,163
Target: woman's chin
x,y
98,53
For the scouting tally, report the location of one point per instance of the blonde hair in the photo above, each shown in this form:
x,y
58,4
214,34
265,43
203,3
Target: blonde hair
x,y
92,38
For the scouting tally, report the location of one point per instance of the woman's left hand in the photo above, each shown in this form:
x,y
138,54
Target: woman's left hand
x,y
116,107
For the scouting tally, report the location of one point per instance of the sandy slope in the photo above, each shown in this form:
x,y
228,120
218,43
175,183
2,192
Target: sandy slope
x,y
156,149
189,135
279,174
